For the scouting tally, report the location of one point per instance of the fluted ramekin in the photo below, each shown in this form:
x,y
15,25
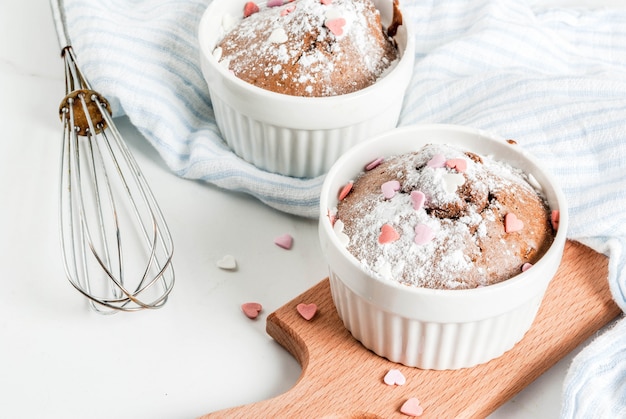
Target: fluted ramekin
x,y
298,136
431,328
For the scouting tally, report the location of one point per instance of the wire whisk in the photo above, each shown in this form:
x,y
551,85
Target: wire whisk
x,y
117,248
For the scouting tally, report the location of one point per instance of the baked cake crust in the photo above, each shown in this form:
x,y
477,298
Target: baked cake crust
x,y
310,47
485,221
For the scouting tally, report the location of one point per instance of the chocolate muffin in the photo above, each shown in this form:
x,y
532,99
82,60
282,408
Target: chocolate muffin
x,y
310,47
445,218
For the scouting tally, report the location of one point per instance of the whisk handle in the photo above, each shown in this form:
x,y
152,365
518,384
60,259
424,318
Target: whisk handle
x,y
60,23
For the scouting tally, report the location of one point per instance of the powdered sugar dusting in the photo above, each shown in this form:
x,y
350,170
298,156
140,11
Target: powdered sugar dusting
x,y
468,247
313,58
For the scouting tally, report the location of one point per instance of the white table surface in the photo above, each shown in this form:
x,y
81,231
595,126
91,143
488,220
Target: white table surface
x,y
199,353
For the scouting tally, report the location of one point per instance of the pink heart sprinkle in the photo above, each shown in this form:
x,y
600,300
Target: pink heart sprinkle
x,y
512,223
307,311
389,188
459,164
394,377
274,3
335,25
288,10
345,191
412,407
374,164
423,234
251,310
332,217
526,266
418,198
250,8
438,160
285,241
555,217
326,2
388,234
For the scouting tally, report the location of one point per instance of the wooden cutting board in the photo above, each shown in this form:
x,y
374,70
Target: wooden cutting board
x,y
343,380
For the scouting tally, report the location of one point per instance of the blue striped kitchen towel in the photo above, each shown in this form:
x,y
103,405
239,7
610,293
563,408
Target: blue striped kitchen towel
x,y
552,78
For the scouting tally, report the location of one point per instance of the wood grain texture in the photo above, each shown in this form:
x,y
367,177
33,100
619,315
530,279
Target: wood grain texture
x,y
342,379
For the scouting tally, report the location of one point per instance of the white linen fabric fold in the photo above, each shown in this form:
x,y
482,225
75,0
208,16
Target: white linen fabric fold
x,y
552,79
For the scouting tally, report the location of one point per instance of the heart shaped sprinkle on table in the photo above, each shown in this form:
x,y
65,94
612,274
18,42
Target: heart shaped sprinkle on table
x,y
438,160
251,310
412,407
335,25
451,181
394,378
388,234
555,217
228,262
274,3
345,190
326,2
374,164
390,188
459,164
307,311
250,8
418,199
285,241
512,223
423,234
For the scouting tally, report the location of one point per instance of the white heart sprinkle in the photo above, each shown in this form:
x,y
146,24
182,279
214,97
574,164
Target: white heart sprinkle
x,y
384,270
228,22
332,13
228,263
394,377
217,53
343,237
451,181
225,63
278,36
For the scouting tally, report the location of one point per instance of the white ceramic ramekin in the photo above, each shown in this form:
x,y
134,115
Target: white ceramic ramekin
x,y
428,328
298,136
